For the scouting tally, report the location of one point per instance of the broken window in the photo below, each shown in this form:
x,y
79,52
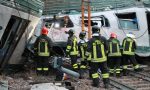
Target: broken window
x,y
128,21
59,22
97,20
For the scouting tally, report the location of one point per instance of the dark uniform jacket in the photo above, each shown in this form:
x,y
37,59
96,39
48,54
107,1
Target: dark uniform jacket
x,y
114,47
72,46
100,51
82,46
127,48
42,47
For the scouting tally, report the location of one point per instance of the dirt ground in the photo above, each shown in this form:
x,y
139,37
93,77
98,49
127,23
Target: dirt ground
x,y
25,79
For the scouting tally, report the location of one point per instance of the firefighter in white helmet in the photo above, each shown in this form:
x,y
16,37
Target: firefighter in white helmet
x,y
129,47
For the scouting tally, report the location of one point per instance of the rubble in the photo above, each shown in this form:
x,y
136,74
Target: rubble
x,y
27,80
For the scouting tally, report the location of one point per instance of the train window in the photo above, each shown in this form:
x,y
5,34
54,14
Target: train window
x,y
97,20
128,21
60,22
105,22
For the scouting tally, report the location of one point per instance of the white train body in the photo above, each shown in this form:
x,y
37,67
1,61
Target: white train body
x,y
121,22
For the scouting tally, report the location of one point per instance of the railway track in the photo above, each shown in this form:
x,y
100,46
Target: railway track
x,y
134,81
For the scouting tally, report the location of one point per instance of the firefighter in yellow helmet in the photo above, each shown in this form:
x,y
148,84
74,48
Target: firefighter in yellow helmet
x,y
97,48
72,49
114,55
42,48
129,47
82,46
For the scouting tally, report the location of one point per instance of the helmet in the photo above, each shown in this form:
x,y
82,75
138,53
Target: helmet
x,y
95,31
71,31
113,35
44,31
131,35
82,35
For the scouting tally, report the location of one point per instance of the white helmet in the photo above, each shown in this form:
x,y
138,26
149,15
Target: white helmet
x,y
131,36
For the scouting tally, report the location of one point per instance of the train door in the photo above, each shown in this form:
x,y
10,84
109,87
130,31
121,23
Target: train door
x,y
148,24
12,34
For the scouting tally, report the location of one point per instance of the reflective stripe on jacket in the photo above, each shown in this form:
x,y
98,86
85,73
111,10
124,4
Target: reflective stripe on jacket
x,y
129,46
82,46
97,48
72,47
114,49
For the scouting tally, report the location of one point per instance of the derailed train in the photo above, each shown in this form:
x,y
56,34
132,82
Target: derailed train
x,y
17,42
121,22
17,22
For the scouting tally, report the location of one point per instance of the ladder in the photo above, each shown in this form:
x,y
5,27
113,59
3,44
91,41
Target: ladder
x,y
85,5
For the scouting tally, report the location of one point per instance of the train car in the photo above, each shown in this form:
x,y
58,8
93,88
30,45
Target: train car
x,y
18,19
120,21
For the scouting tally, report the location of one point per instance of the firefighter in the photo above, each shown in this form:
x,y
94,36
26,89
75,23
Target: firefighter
x,y
114,55
72,49
129,47
42,47
97,48
82,46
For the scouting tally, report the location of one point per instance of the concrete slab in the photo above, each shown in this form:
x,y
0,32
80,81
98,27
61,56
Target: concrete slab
x,y
3,85
47,86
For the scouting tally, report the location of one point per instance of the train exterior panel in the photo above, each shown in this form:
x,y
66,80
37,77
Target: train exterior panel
x,y
130,20
18,20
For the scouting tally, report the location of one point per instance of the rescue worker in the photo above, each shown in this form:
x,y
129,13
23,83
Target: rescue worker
x,y
114,55
97,48
42,47
72,49
129,47
82,46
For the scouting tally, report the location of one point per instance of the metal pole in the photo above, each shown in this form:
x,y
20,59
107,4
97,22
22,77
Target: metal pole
x,y
89,20
82,9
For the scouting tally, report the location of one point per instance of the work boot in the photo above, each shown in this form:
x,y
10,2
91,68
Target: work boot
x,y
111,74
106,86
125,73
95,82
138,70
106,82
59,75
58,78
45,73
90,74
118,75
38,73
82,72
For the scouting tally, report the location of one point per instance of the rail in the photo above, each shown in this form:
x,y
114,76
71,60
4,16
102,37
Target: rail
x,y
139,75
119,85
